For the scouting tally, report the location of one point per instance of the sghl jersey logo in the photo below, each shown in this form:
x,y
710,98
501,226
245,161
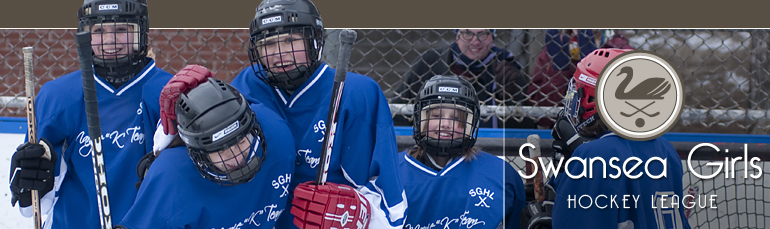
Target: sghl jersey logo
x,y
639,95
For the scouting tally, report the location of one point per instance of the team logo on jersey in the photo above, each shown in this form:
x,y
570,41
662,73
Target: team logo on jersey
x,y
118,138
108,7
464,221
483,194
226,131
271,213
270,20
639,95
320,126
448,89
311,161
282,182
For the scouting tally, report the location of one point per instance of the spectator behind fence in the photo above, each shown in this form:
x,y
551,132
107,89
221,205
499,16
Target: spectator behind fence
x,y
556,63
492,70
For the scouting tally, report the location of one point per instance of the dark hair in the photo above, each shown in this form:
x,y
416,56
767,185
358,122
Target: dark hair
x,y
595,129
418,153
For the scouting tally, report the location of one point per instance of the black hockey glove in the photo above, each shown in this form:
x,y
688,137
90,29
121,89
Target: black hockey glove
x,y
143,166
529,191
537,215
565,138
30,171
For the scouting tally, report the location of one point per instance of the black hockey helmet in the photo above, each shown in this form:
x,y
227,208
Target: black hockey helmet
x,y
221,132
446,116
293,22
125,25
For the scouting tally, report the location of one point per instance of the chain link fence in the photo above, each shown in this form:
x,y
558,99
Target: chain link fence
x,y
726,73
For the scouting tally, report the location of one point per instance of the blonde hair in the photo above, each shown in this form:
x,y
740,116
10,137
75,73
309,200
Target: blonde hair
x,y
150,52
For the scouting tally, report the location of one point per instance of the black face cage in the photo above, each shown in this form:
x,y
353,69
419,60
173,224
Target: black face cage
x,y
436,126
119,36
232,164
300,69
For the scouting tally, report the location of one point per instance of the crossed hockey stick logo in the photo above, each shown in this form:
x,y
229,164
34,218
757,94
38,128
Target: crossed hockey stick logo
x,y
483,194
639,95
482,202
650,89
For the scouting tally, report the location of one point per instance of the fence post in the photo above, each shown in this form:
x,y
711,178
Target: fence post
x,y
760,78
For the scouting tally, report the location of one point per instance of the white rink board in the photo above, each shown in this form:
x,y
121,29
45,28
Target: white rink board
x,y
10,218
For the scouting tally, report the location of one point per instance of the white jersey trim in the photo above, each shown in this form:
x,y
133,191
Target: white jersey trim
x,y
607,135
280,94
318,76
137,79
134,81
431,172
378,217
460,160
104,85
417,165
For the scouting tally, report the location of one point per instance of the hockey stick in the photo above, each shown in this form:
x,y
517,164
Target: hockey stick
x,y
29,79
534,153
347,38
83,40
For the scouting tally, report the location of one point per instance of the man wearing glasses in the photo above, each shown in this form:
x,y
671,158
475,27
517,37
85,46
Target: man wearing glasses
x,y
493,71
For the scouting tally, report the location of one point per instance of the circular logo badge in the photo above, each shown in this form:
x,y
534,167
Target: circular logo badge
x,y
639,95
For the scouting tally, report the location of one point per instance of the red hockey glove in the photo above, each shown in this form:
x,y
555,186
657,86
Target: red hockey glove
x,y
329,206
187,78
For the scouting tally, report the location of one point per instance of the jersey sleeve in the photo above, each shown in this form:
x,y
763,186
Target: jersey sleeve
x,y
150,106
152,207
51,125
382,184
515,197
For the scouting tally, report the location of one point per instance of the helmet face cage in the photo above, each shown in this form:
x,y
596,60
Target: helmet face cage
x,y
221,132
446,127
119,34
279,31
446,116
236,163
572,103
287,55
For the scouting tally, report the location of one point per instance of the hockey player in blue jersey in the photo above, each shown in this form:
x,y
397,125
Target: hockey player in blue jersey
x,y
128,88
288,77
450,183
233,173
580,119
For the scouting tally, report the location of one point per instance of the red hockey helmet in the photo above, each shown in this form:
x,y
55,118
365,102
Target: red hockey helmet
x,y
580,100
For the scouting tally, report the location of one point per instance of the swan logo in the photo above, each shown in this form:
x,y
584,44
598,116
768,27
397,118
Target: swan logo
x,y
639,95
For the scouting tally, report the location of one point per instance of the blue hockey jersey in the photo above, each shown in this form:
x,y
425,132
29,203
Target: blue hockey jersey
x,y
465,194
637,210
128,118
364,152
175,195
